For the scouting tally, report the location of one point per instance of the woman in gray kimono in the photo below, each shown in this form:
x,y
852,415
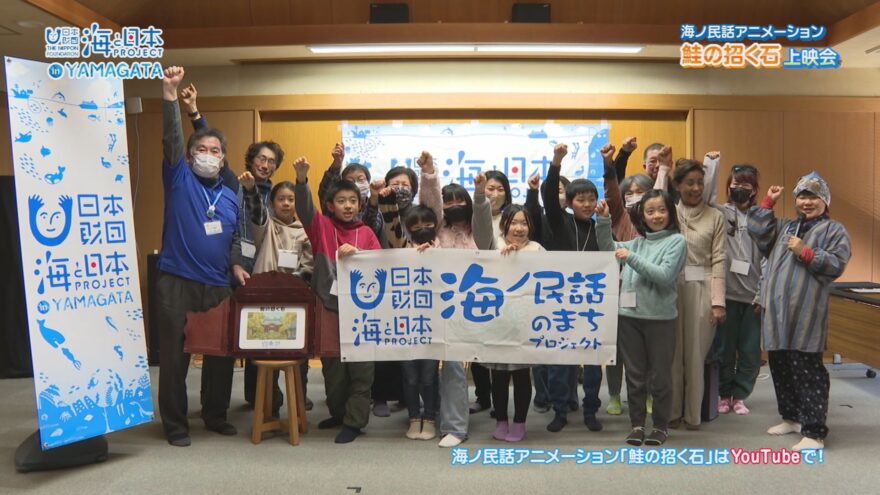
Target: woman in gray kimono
x,y
804,256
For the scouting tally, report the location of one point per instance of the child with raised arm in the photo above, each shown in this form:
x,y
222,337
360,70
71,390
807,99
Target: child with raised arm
x,y
570,232
338,234
467,224
648,311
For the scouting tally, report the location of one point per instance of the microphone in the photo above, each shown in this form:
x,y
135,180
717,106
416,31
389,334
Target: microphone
x,y
801,218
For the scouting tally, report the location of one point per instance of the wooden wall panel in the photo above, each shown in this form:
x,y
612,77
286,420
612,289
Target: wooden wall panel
x,y
876,240
744,137
304,12
457,11
271,12
840,147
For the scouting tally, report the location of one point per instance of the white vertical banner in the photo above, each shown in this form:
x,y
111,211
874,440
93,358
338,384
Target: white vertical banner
x,y
461,305
70,156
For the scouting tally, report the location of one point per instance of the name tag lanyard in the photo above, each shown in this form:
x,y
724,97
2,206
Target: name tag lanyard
x,y
212,205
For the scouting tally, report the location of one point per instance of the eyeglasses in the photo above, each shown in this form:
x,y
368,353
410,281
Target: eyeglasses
x,y
263,159
744,168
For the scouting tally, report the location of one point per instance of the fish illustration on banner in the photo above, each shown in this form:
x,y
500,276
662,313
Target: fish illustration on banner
x,y
80,262
461,151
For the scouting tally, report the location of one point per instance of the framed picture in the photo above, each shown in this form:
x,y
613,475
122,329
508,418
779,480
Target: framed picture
x,y
272,326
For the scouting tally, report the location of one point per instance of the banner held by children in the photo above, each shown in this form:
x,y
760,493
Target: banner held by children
x,y
461,305
461,151
70,156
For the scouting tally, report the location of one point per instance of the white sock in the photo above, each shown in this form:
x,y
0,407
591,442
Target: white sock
x,y
785,428
808,443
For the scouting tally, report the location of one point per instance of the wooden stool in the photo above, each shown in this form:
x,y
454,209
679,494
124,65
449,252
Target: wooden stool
x,y
296,408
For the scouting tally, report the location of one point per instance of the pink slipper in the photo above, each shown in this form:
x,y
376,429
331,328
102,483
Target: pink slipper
x,y
501,430
517,432
739,407
724,405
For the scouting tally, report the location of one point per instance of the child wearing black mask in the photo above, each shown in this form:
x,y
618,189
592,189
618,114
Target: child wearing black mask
x,y
467,225
421,376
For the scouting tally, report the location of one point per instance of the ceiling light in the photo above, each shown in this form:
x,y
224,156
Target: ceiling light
x,y
387,48
31,24
485,48
549,48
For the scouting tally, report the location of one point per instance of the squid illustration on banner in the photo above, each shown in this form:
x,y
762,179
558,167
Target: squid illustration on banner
x,y
70,156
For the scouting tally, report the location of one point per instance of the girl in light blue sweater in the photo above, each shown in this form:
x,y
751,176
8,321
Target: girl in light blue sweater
x,y
648,307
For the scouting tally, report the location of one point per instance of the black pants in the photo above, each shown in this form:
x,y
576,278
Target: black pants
x,y
482,385
387,381
647,347
802,385
176,296
522,393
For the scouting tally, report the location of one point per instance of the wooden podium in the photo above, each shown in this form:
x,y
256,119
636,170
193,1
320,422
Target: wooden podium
x,y
273,304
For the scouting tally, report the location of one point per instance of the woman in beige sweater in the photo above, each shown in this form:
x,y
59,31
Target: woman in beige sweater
x,y
701,291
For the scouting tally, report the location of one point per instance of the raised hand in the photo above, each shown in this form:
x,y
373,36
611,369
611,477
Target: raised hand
x,y
713,155
775,192
480,183
338,153
559,153
426,162
602,209
665,156
301,166
171,79
189,95
607,153
535,181
247,181
629,144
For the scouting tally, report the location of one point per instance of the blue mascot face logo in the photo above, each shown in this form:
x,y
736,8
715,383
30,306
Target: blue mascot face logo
x,y
50,227
368,294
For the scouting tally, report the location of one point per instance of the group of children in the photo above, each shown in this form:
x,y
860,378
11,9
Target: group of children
x,y
693,273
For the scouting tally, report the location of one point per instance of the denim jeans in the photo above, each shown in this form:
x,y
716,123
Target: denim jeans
x,y
421,379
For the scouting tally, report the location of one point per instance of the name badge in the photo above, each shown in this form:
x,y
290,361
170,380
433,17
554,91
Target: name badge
x,y
627,299
694,273
333,291
739,266
213,228
288,259
248,249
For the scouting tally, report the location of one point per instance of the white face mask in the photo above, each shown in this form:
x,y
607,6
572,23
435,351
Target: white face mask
x,y
364,187
633,200
206,166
